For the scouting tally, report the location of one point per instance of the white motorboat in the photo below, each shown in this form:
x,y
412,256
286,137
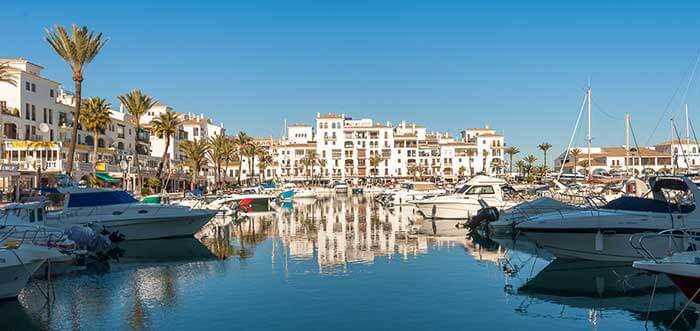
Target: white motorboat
x,y
683,268
414,191
116,211
511,217
603,232
465,202
23,249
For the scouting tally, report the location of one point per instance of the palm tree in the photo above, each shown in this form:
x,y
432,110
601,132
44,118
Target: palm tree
x,y
217,154
231,153
241,140
137,104
575,153
470,154
251,150
544,147
414,169
374,162
78,49
322,164
265,160
95,119
461,171
164,127
511,151
6,76
520,164
195,157
530,160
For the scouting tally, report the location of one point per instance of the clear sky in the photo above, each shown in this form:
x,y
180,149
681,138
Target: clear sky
x,y
519,66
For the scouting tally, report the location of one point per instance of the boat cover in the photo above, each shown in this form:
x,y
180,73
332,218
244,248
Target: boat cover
x,y
647,205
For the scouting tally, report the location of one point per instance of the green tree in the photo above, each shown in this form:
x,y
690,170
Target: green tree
x,y
137,104
575,153
164,127
78,49
95,119
218,147
241,141
195,157
265,160
511,151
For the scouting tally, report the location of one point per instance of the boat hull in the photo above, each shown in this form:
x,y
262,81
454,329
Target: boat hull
x,y
460,211
600,247
159,228
14,275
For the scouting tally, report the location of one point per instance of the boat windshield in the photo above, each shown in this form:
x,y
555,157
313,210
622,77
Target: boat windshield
x,y
480,189
463,189
102,198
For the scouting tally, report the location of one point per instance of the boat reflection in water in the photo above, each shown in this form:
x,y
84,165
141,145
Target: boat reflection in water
x,y
607,286
237,271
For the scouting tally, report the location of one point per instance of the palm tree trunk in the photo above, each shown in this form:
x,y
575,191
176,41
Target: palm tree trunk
x,y
76,120
139,177
194,179
94,154
240,166
163,159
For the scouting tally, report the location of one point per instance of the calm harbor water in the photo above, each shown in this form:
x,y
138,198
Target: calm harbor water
x,y
344,263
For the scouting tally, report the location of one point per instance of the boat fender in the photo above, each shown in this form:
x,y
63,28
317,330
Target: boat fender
x,y
599,242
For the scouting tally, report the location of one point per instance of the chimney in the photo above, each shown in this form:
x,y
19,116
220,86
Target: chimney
x,y
318,114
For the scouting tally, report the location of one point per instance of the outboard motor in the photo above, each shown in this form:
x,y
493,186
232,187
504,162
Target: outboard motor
x,y
484,215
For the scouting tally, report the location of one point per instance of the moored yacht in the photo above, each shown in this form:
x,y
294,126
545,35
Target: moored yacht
x,y
465,202
414,191
116,211
604,232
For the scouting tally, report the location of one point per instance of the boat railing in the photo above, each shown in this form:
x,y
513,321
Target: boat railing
x,y
19,234
679,239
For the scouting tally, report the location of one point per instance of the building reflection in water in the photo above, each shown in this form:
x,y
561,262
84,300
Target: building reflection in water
x,y
335,231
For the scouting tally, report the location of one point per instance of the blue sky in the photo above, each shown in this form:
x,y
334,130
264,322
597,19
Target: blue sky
x,y
518,66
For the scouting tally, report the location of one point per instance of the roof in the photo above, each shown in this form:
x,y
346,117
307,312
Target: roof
x,y
18,59
330,115
620,151
299,125
678,142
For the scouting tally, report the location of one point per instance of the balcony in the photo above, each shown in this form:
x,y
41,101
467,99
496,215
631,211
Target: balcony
x,y
11,112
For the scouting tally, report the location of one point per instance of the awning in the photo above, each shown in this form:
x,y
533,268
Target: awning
x,y
107,178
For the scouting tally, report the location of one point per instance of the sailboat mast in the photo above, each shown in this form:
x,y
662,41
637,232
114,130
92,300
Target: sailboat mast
x,y
627,142
589,133
687,125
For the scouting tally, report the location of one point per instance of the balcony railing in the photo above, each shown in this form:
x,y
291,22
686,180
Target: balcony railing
x,y
11,111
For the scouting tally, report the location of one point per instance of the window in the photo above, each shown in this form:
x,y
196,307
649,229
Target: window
x,y
51,93
27,111
27,86
33,87
50,116
480,190
46,117
33,113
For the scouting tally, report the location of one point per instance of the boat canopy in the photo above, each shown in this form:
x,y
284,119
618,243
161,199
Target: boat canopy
x,y
106,177
647,205
668,183
99,198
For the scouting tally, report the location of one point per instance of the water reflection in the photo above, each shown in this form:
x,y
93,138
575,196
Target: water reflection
x,y
237,268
